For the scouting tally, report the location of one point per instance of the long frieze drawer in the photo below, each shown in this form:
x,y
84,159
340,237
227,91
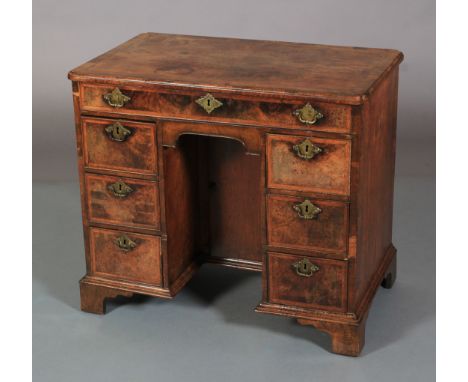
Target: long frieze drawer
x,y
302,114
125,255
307,282
122,201
309,164
120,145
307,224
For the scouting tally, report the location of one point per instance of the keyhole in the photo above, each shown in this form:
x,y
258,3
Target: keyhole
x,y
306,208
307,148
124,241
304,267
208,102
120,187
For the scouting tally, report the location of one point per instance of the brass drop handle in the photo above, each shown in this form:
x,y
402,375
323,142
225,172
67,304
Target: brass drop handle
x,y
125,243
209,103
308,115
307,210
120,189
305,268
116,98
117,132
307,150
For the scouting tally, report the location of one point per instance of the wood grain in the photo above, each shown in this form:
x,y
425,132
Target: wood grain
x,y
327,173
137,154
141,264
376,178
158,102
94,297
346,339
182,209
325,289
251,139
139,209
220,187
343,74
235,198
327,233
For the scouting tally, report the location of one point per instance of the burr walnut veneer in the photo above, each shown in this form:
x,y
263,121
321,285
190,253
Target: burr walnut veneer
x,y
268,156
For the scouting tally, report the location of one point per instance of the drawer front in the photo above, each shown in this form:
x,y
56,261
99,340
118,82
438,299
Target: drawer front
x,y
294,222
120,145
307,282
110,201
335,118
124,255
309,164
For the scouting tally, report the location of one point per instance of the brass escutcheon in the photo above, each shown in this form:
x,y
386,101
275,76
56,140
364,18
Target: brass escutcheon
x,y
308,115
117,132
116,98
209,103
125,243
306,149
307,210
305,268
120,189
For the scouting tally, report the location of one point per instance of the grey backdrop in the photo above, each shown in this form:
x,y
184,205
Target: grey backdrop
x,y
68,33
210,332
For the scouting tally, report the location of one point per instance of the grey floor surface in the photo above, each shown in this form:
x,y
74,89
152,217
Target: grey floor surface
x,y
210,332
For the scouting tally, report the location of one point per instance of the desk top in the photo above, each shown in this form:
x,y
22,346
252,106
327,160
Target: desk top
x,y
323,72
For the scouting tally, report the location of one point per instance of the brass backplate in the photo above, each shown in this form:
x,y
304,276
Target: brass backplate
x,y
308,115
307,150
116,98
307,210
125,243
305,268
120,189
117,132
209,103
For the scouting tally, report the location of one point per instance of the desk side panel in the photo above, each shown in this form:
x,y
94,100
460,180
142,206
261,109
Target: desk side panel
x,y
375,182
81,171
181,207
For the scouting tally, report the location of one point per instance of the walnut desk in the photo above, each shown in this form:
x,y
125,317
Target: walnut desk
x,y
267,156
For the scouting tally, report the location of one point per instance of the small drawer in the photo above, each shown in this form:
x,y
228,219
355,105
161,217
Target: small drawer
x,y
120,145
122,201
307,224
218,107
309,164
307,282
125,255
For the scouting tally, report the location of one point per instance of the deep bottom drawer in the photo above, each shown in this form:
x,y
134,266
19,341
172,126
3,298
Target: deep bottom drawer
x,y
307,282
124,255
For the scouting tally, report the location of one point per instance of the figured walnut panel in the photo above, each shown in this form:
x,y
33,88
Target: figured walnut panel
x,y
251,138
345,74
260,85
141,264
235,199
326,233
327,172
326,288
138,153
139,209
376,181
185,229
149,102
